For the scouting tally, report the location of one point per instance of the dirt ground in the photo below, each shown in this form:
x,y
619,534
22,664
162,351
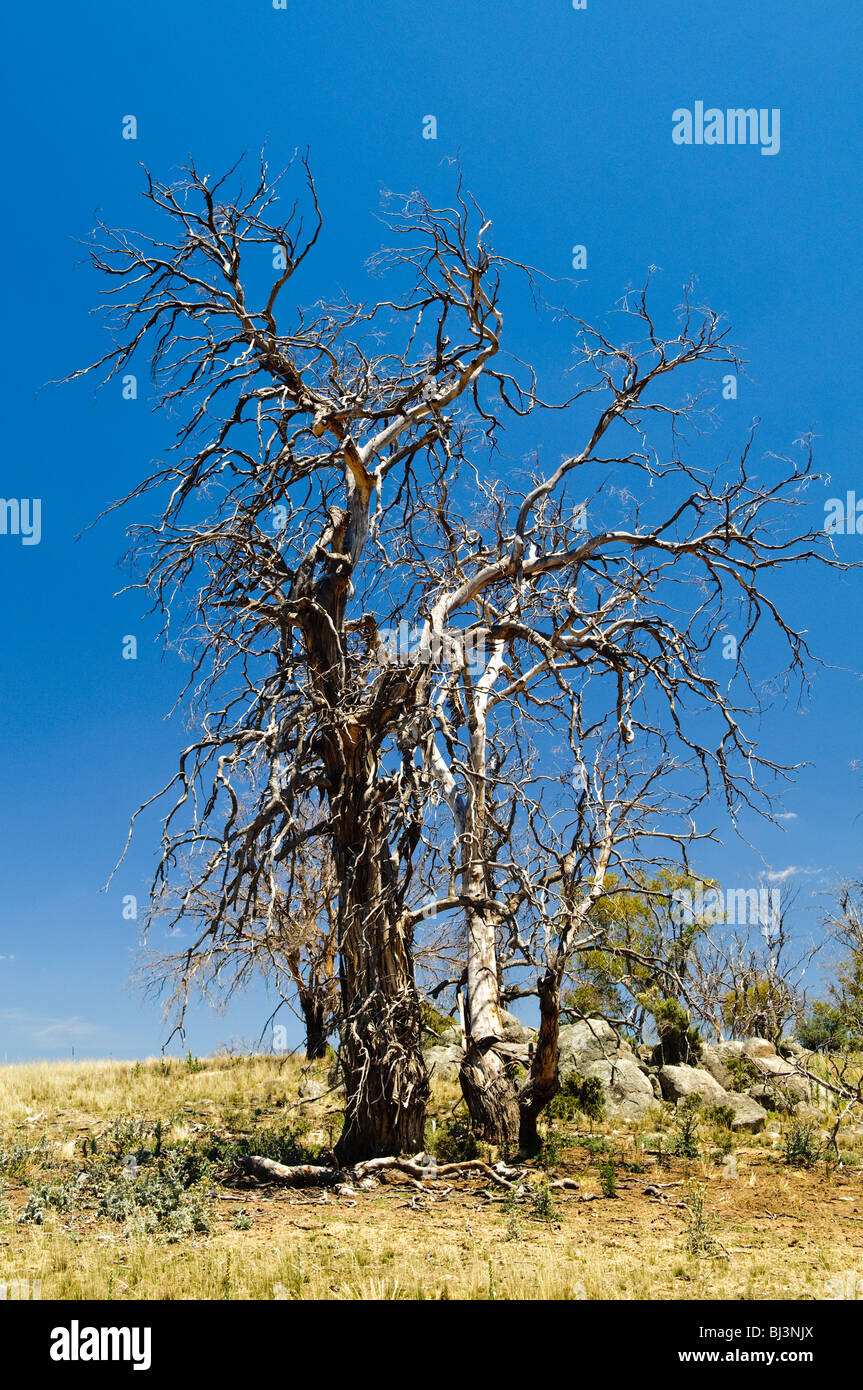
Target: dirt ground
x,y
737,1221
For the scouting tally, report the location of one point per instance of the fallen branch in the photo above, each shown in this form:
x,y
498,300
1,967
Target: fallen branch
x,y
418,1168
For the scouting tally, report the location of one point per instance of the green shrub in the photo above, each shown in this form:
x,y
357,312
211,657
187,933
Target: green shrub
x,y
679,1042
722,1116
801,1145
700,1227
829,1028
541,1202
608,1177
684,1142
582,1094
45,1197
743,1072
454,1141
594,1143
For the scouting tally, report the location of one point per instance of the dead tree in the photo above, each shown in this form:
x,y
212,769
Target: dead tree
x,y
593,595
291,945
281,557
326,493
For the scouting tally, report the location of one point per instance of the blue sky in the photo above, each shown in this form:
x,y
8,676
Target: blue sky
x,y
562,121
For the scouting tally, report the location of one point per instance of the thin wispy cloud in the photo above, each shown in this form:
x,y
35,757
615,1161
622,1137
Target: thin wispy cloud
x,y
793,870
39,1028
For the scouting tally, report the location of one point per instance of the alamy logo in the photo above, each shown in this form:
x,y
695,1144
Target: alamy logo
x,y
21,518
735,907
19,1289
77,1343
735,126
408,646
844,515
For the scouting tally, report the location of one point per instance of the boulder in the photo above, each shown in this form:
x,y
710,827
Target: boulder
x,y
711,1060
679,1083
758,1048
628,1092
588,1041
312,1090
749,1116
514,1031
443,1062
779,1080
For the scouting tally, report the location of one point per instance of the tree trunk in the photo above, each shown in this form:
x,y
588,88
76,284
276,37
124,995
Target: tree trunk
x,y
543,1083
490,1094
386,1083
487,1080
315,1014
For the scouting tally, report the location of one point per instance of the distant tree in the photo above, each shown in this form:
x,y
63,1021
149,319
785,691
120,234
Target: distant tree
x,y
291,945
836,1025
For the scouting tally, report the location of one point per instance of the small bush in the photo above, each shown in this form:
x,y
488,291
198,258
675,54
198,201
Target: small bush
x,y
541,1202
594,1143
454,1141
720,1116
801,1146
700,1227
684,1143
45,1197
743,1072
608,1177
578,1094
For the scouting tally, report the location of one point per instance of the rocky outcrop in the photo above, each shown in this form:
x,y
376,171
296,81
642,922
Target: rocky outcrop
x,y
443,1062
628,1091
681,1082
711,1061
747,1077
749,1116
588,1041
514,1031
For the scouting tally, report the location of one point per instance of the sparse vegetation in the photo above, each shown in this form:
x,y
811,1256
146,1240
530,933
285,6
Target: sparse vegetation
x,y
802,1148
185,1222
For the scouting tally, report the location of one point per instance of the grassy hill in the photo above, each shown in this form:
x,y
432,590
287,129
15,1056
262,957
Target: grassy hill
x,y
119,1180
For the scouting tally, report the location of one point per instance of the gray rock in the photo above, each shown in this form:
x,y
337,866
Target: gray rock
x,y
590,1040
312,1090
514,1031
758,1048
679,1083
780,1080
749,1116
711,1061
628,1092
443,1062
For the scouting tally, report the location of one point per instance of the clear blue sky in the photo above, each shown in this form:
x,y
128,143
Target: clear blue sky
x,y
562,120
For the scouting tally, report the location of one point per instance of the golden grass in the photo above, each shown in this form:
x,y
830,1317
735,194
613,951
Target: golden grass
x,y
784,1233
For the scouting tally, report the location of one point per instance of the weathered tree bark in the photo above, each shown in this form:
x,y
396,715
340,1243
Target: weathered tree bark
x,y
487,1080
315,1016
544,1081
386,1084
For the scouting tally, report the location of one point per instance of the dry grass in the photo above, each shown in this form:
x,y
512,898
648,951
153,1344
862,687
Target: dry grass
x,y
782,1232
